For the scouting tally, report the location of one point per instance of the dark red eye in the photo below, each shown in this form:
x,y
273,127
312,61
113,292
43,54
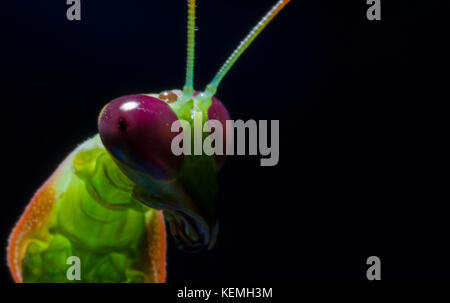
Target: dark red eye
x,y
217,111
135,129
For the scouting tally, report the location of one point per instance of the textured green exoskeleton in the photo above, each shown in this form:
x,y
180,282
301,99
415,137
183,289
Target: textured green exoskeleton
x,y
94,218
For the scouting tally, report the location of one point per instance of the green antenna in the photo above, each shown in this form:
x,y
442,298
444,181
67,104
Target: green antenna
x,y
211,88
188,88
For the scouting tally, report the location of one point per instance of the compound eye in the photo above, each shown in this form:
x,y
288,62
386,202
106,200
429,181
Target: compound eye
x,y
136,130
217,111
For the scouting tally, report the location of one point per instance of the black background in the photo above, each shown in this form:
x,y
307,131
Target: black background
x,y
363,110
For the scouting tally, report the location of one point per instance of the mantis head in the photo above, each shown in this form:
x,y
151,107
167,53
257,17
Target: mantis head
x,y
136,131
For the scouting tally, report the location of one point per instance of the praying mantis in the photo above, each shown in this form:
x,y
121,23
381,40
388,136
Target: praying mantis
x,y
109,201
